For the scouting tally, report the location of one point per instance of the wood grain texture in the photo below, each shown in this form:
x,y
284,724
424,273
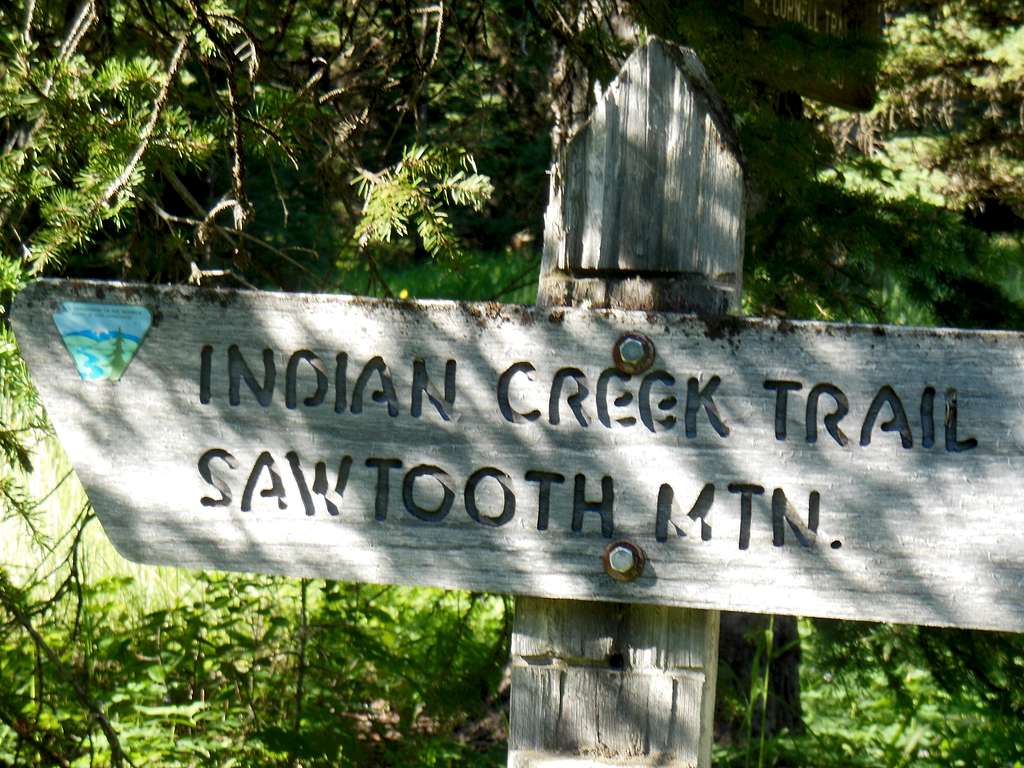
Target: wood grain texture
x,y
611,684
653,181
925,535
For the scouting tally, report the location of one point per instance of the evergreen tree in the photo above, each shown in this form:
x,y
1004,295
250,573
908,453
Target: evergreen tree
x,y
117,362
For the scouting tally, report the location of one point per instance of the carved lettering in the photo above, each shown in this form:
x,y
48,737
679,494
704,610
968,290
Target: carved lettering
x,y
414,508
605,507
292,375
575,400
953,445
696,396
665,404
504,383
544,481
265,462
384,467
421,386
508,509
747,492
898,423
340,382
238,370
320,486
831,419
782,390
205,364
699,511
624,399
928,417
783,514
385,395
207,474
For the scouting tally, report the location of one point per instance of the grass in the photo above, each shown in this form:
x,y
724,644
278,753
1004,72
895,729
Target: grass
x,y
35,553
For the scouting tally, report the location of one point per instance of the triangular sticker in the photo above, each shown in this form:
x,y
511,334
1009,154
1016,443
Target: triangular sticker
x,y
102,338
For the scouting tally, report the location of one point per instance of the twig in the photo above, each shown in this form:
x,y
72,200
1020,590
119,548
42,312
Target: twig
x,y
272,248
77,528
53,490
280,193
170,217
182,190
117,755
331,95
86,16
147,132
300,676
439,8
26,29
84,19
375,272
226,233
521,280
237,153
72,580
210,215
196,276
272,134
24,735
195,206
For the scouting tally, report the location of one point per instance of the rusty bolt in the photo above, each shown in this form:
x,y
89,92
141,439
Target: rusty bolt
x,y
633,353
624,560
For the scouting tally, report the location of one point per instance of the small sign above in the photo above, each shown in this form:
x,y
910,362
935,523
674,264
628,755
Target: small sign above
x,y
814,469
840,48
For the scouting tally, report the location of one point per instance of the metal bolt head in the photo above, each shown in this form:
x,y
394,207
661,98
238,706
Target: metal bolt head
x,y
631,350
633,353
621,559
624,560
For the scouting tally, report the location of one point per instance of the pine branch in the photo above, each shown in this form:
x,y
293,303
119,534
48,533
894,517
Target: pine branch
x,y
83,20
147,132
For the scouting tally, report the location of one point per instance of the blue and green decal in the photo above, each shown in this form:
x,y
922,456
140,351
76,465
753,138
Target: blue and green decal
x,y
102,338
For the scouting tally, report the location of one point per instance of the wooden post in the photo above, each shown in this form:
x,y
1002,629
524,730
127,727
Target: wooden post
x,y
646,212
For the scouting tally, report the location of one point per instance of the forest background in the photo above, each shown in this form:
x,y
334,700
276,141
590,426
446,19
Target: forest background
x,y
400,149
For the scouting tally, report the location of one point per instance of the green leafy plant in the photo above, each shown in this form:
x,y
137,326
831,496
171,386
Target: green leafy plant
x,y
415,191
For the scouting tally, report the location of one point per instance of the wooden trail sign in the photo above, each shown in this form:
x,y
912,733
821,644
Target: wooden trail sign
x,y
852,27
806,468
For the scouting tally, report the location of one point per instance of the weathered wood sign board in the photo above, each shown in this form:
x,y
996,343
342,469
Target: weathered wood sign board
x,y
853,23
815,469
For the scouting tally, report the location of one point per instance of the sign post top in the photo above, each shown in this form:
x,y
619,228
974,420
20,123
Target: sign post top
x,y
652,183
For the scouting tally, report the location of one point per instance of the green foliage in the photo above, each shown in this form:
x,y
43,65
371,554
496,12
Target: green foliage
x,y
71,169
414,191
827,237
509,277
952,80
255,671
883,695
223,141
